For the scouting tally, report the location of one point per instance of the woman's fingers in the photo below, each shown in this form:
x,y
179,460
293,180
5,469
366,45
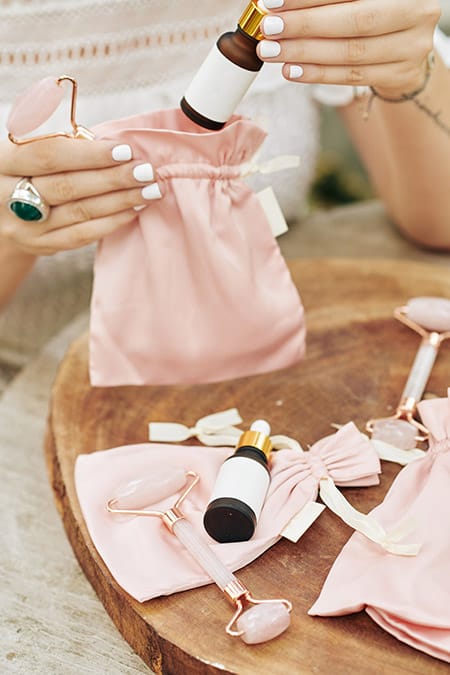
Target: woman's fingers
x,y
99,206
67,219
78,223
374,75
347,51
83,210
342,20
76,236
58,155
348,18
359,42
74,185
92,187
275,5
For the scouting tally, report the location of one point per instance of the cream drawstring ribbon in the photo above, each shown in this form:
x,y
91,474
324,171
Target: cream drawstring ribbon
x,y
390,453
217,429
366,524
269,166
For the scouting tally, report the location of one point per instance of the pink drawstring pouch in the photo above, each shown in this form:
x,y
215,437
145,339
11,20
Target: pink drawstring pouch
x,y
147,561
407,596
195,289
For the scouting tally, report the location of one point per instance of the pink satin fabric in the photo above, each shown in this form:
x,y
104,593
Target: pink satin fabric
x,y
196,289
148,561
408,596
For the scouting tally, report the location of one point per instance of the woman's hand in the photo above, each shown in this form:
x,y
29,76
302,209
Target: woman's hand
x,y
92,188
382,43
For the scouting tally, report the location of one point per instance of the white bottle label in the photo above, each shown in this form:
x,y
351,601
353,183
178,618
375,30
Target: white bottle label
x,y
244,479
218,87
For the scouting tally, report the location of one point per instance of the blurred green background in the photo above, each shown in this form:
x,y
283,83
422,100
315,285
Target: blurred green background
x,y
340,177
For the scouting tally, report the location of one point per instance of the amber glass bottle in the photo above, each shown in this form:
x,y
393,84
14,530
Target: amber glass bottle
x,y
226,74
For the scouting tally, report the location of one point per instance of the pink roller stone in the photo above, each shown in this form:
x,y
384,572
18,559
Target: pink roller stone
x,y
430,313
144,492
34,106
263,622
397,432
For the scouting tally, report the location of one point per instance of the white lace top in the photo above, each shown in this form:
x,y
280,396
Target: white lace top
x,y
130,56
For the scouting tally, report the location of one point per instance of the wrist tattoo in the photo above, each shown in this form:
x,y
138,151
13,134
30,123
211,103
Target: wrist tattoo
x,y
435,116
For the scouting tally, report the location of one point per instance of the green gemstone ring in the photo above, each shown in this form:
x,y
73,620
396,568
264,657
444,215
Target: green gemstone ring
x,y
26,203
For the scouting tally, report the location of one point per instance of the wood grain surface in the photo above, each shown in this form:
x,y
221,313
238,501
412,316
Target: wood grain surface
x,y
358,359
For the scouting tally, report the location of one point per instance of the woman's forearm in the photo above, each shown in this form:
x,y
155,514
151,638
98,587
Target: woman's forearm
x,y
407,155
14,267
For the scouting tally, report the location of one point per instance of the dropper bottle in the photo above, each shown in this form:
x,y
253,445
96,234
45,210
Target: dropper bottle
x,y
227,73
241,487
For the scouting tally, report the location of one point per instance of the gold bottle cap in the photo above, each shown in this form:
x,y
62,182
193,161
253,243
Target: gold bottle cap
x,y
256,439
251,20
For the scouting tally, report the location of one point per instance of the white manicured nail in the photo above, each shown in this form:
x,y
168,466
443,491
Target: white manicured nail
x,y
273,25
269,48
144,173
273,4
122,153
151,191
139,208
295,72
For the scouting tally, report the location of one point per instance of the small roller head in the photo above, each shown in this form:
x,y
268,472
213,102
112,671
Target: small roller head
x,y
34,106
430,313
263,622
144,492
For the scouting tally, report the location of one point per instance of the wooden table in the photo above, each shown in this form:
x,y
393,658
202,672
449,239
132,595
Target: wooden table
x,y
356,367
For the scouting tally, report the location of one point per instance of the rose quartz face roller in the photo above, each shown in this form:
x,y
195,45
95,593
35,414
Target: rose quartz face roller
x,y
37,104
254,621
430,317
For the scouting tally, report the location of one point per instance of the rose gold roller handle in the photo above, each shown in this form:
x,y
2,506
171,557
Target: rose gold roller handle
x,y
420,372
266,619
430,318
202,553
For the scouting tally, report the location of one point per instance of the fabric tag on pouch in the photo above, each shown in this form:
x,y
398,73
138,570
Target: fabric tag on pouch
x,y
302,521
272,209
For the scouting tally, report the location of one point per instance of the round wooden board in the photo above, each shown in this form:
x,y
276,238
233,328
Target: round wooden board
x,y
356,367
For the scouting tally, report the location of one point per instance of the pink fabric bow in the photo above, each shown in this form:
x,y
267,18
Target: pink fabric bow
x,y
408,597
147,561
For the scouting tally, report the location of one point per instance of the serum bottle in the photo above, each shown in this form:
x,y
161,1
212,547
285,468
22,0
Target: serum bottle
x,y
241,487
226,74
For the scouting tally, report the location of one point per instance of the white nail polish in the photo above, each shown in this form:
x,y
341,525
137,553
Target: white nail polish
x,y
273,25
144,173
269,48
295,72
122,153
139,208
273,4
151,191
